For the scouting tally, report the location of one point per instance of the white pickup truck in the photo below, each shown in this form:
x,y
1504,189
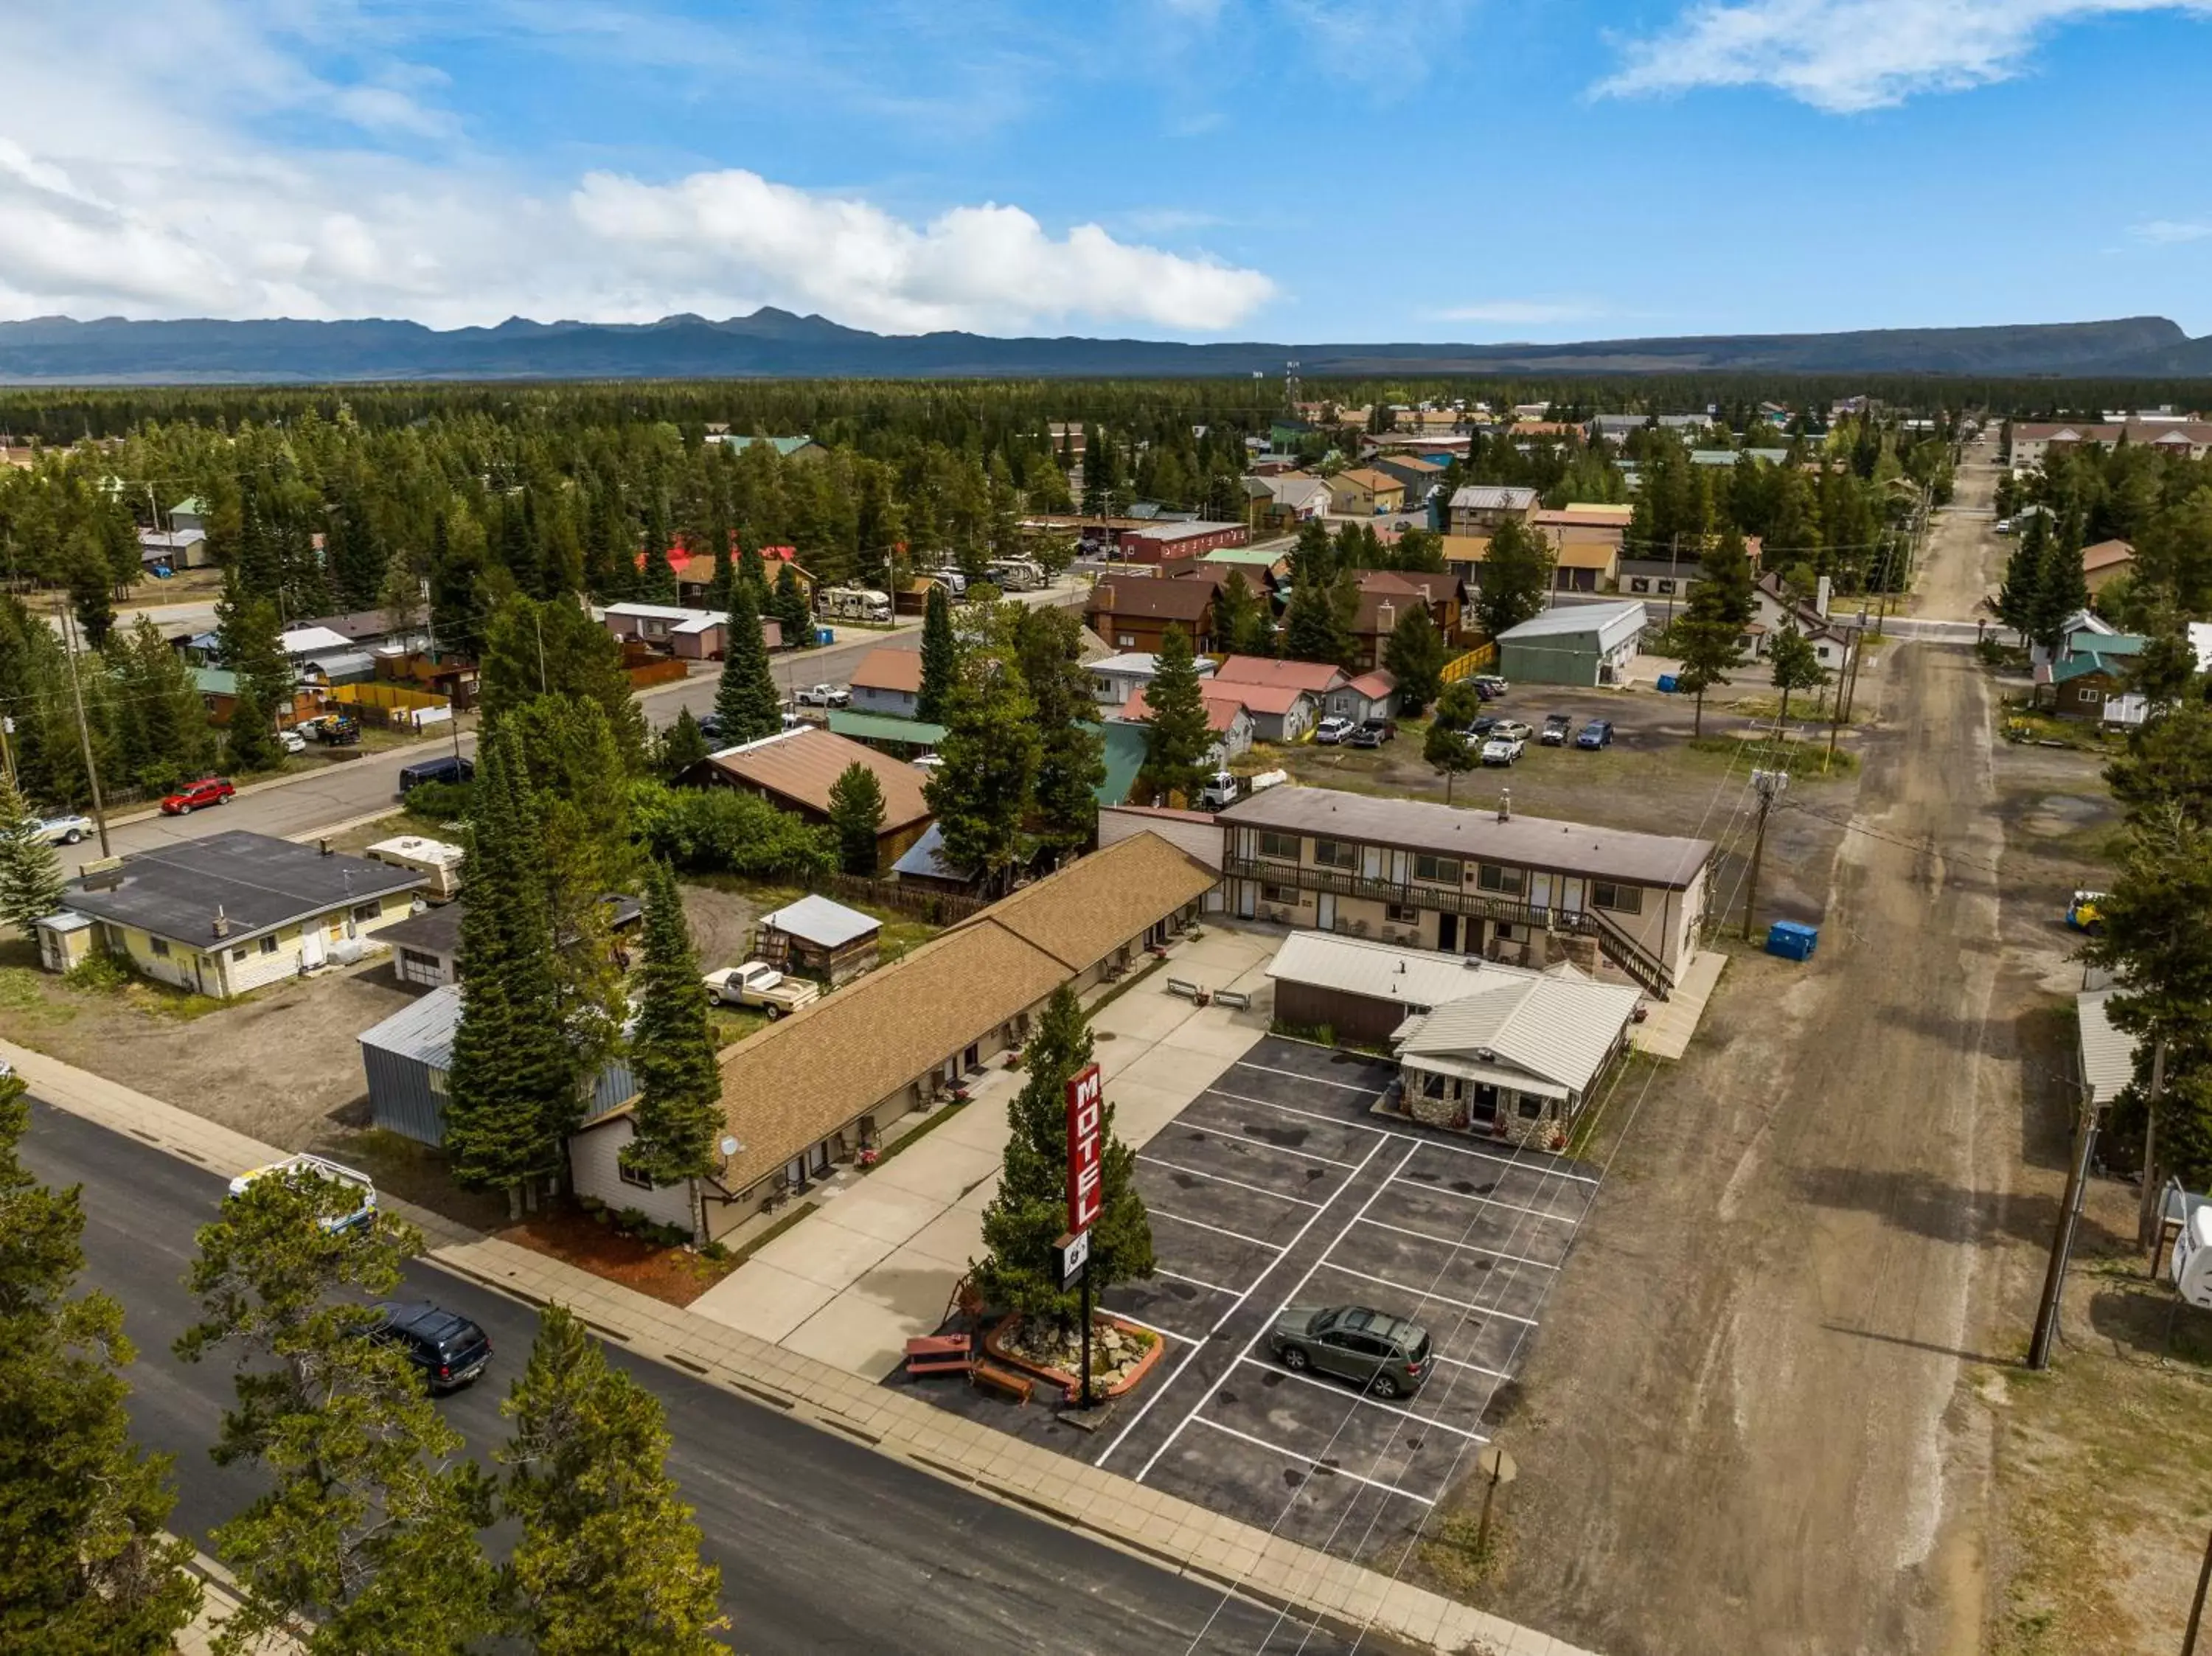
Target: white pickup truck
x,y
758,984
294,1168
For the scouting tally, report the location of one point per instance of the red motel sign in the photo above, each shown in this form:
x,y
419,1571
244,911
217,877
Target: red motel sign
x,y
1086,1100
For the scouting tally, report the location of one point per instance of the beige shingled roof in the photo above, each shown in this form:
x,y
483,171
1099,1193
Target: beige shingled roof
x,y
888,669
801,766
802,1079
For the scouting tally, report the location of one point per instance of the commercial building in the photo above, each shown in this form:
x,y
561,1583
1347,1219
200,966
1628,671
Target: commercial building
x,y
806,1092
1581,644
2029,441
1477,508
236,910
1151,542
1517,889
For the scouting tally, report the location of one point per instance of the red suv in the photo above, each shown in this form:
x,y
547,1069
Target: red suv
x,y
193,796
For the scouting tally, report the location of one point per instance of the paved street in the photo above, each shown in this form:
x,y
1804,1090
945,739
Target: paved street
x,y
824,1545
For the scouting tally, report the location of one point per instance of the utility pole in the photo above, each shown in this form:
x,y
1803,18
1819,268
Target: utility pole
x,y
2061,1243
84,732
1852,646
1851,689
1771,785
2196,1605
2147,1214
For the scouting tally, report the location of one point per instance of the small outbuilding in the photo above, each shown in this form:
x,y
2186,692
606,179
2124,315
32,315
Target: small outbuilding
x,y
435,860
1581,644
819,938
409,1056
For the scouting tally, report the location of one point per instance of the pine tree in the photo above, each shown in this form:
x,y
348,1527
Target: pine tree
x,y
1515,576
1796,666
1177,737
1708,648
856,812
1314,627
1415,656
532,648
2020,593
679,1107
682,744
365,1535
980,794
251,743
2063,591
86,1568
1447,749
31,882
356,556
1723,591
512,1088
788,604
940,659
746,700
752,570
1071,758
1029,1211
91,587
608,1561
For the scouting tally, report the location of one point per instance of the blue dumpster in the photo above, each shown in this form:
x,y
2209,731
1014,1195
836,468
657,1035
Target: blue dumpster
x,y
1667,685
823,636
1792,941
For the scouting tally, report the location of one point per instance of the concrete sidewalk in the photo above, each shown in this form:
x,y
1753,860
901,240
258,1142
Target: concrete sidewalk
x,y
875,1264
1669,1025
1346,1598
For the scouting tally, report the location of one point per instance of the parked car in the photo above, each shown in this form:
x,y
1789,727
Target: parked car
x,y
759,984
710,725
448,769
64,830
1556,728
335,729
1598,733
295,1166
1332,729
1483,725
1512,729
197,796
291,741
1501,750
824,696
1386,1356
1490,687
1374,733
449,1348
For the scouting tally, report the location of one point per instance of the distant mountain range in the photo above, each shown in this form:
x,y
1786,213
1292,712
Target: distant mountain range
x,y
773,344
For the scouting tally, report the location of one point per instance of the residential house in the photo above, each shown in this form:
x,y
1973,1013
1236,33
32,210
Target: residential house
x,y
795,770
409,1061
1232,726
1416,475
1263,567
808,1091
1118,677
1773,608
1371,696
888,681
1364,492
815,937
1616,427
1153,543
788,448
1278,501
1280,712
1479,508
1515,888
686,634
2105,562
1138,614
899,736
378,631
1733,457
320,655
174,549
1501,1052
1387,596
218,688
2089,676
235,911
1580,644
1315,678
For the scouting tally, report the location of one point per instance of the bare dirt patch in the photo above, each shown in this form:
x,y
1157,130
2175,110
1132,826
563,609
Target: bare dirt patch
x,y
671,1274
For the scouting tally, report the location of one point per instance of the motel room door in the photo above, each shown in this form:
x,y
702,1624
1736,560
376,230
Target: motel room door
x,y
1324,915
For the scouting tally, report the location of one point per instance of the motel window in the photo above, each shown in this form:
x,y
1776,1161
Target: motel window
x,y
1531,1106
238,954
1284,848
1638,584
160,947
1665,584
1402,913
269,945
1336,853
1124,640
1505,882
1620,898
1437,870
1279,894
1433,1085
368,910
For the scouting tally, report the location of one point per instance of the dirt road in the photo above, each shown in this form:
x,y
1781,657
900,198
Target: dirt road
x,y
1740,1431
1962,564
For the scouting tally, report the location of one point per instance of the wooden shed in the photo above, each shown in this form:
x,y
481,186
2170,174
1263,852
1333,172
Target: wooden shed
x,y
819,939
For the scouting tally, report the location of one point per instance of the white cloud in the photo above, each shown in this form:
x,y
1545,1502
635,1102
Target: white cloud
x,y
2168,232
1847,56
117,195
1517,312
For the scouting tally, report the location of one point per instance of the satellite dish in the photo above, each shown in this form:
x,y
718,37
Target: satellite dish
x,y
730,1146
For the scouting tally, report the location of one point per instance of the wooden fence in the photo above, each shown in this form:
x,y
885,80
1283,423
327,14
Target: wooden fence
x,y
935,907
1480,659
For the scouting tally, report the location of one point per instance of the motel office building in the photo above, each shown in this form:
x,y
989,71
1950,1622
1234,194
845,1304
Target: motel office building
x,y
1520,890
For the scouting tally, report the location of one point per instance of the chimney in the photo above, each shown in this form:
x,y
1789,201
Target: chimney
x,y
1505,804
325,845
221,922
1820,595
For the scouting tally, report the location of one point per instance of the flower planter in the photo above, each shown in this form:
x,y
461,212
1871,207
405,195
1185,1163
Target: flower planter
x,y
1071,1385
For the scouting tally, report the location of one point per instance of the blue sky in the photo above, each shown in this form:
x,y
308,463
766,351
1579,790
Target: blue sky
x,y
1286,169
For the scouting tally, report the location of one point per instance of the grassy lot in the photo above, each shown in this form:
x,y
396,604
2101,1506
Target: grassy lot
x,y
2021,723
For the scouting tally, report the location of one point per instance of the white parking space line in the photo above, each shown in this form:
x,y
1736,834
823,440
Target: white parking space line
x,y
1289,1300
1427,1296
1193,1341
1548,1168
1262,1144
1235,1235
1308,1460
1345,1396
1195,1282
1167,1385
1486,1201
1222,1179
1341,1086
1438,1356
1463,1248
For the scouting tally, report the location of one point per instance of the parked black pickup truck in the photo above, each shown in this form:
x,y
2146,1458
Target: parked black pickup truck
x,y
1556,728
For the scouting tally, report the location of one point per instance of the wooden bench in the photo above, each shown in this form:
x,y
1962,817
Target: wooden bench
x,y
986,1373
938,1354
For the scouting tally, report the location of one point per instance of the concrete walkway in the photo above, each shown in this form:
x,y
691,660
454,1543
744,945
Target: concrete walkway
x,y
1345,1599
876,1263
1667,1029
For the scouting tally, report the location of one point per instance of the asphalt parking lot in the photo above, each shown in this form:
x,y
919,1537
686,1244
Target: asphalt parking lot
x,y
1277,1187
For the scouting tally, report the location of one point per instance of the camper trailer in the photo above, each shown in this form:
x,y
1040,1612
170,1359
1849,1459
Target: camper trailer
x,y
1017,574
853,604
2188,1220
